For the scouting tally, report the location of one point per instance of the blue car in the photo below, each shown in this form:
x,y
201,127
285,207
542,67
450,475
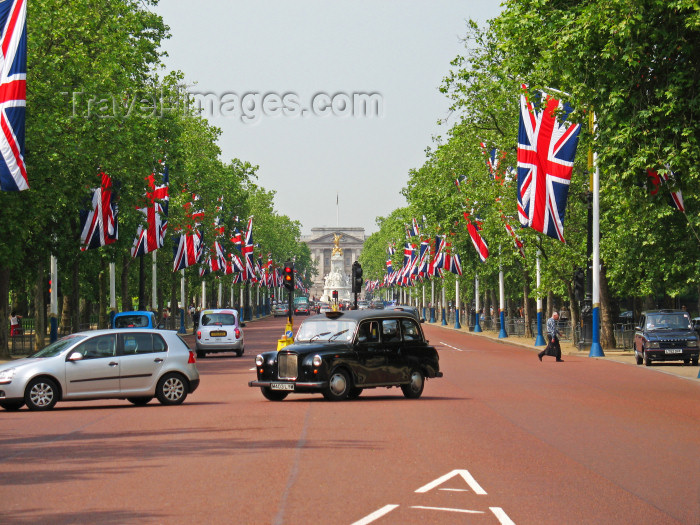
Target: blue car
x,y
135,319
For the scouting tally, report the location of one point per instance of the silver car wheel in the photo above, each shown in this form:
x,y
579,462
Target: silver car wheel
x,y
171,389
41,394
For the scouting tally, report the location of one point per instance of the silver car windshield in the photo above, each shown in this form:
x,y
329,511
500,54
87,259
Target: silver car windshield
x,y
326,330
59,346
218,320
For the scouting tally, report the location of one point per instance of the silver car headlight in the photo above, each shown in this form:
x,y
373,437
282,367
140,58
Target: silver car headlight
x,y
259,360
693,343
653,344
6,376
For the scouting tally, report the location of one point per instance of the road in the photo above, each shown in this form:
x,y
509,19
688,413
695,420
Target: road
x,y
501,439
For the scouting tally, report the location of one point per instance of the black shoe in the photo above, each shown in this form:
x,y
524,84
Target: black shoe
x,y
540,356
560,360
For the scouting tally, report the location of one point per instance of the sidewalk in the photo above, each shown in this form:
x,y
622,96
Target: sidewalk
x,y
676,368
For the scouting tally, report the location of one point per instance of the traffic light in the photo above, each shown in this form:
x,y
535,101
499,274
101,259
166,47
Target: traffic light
x,y
288,277
579,284
356,277
335,295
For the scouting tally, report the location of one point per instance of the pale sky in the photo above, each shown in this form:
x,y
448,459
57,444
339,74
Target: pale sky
x,y
297,67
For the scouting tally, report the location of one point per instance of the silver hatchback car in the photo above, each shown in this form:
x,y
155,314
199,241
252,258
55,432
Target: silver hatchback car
x,y
219,331
132,364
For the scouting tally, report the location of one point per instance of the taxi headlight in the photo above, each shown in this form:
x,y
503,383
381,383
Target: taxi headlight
x,y
7,375
259,360
317,360
653,344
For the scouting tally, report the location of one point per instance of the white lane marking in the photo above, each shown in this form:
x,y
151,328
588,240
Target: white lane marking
x,y
463,511
386,509
455,490
465,475
501,516
450,346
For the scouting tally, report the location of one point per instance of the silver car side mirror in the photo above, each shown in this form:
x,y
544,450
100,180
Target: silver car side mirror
x,y
75,356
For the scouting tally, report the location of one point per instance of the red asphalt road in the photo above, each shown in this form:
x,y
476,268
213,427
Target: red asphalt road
x,y
502,438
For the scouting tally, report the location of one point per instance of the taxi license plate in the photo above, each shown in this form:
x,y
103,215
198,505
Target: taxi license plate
x,y
218,333
282,386
673,351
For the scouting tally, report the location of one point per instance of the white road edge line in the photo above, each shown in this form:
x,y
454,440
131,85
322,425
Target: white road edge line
x,y
501,516
463,511
386,509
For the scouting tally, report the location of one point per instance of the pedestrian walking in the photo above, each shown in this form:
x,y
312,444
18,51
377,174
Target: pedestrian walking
x,y
553,347
15,324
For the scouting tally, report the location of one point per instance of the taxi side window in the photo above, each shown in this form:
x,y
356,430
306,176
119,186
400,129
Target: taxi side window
x,y
368,332
410,330
390,331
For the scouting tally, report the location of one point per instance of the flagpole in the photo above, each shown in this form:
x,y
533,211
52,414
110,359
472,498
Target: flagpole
x,y
596,349
183,305
457,325
502,299
112,292
539,340
432,299
444,303
477,323
53,312
337,211
154,281
423,304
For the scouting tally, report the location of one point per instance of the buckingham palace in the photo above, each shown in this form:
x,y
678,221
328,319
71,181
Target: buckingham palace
x,y
321,243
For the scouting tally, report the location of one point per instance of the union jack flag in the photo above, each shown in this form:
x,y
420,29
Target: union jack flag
x,y
247,250
477,240
676,196
494,162
415,232
456,264
98,224
546,151
187,250
13,95
152,237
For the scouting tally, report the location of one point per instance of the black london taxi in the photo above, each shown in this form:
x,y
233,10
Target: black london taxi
x,y
665,335
339,354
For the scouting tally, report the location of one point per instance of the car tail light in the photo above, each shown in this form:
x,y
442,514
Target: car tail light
x,y
192,359
199,334
238,333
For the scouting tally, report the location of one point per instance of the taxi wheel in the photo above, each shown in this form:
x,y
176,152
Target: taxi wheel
x,y
647,359
273,395
339,386
139,401
354,393
414,389
171,389
12,406
41,394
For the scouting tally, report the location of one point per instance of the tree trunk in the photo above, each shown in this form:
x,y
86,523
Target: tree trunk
x,y
174,310
550,304
75,294
40,308
66,327
607,332
127,303
4,314
573,311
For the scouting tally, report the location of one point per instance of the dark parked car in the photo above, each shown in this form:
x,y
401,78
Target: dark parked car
x,y
413,310
665,335
339,354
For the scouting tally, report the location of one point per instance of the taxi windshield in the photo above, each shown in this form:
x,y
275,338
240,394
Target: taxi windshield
x,y
326,330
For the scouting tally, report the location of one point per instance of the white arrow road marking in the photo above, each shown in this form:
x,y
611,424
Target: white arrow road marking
x,y
502,516
386,509
465,475
450,346
463,511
